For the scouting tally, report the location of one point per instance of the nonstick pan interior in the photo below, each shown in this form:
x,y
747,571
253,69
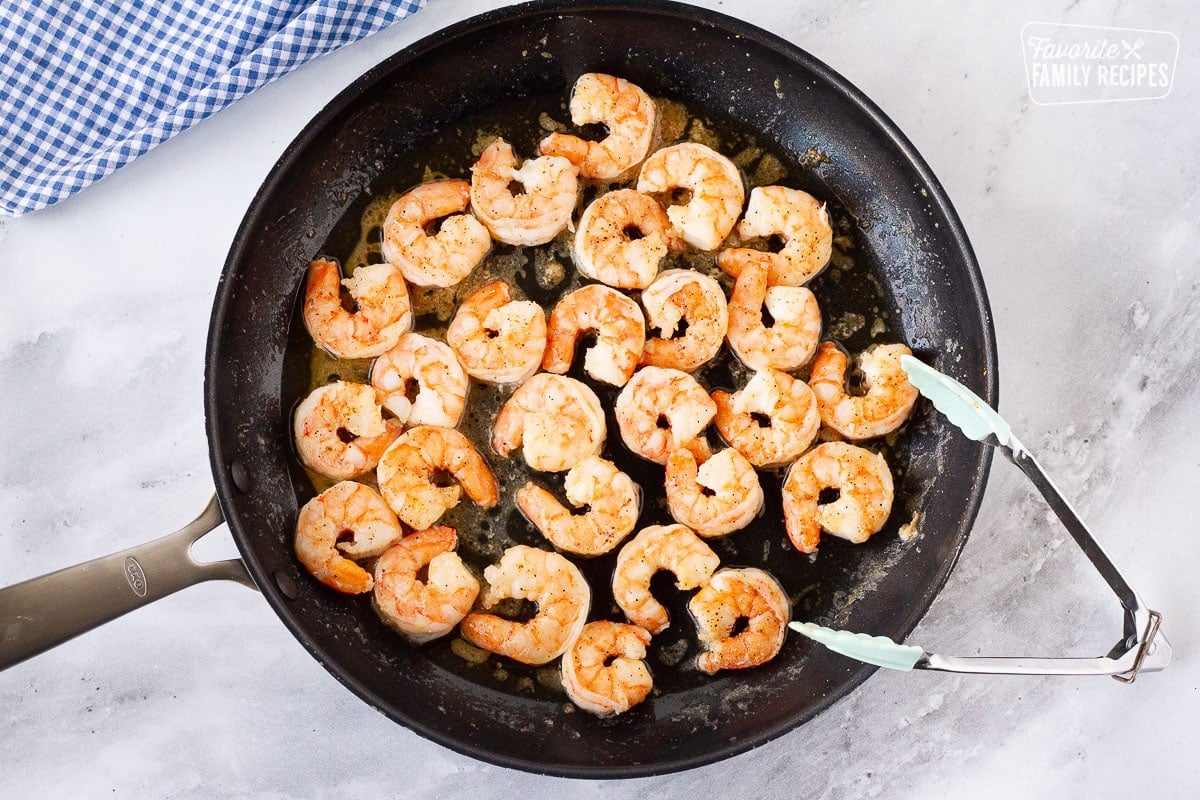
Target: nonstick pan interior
x,y
910,255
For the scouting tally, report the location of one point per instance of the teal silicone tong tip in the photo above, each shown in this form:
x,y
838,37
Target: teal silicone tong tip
x,y
975,418
878,650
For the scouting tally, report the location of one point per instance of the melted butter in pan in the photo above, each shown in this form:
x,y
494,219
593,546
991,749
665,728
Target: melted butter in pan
x,y
855,308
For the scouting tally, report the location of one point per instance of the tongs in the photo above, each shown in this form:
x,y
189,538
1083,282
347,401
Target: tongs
x,y
1142,648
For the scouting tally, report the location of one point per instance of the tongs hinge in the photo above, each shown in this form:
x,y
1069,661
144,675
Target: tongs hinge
x,y
1147,647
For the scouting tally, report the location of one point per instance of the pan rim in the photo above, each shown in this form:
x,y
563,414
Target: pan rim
x,y
252,220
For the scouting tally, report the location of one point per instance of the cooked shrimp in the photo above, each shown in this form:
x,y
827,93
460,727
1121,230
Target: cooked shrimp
x,y
340,430
431,368
795,216
716,497
889,397
443,258
625,110
864,485
739,594
346,521
791,339
710,181
689,310
539,212
382,317
611,499
771,420
424,610
563,599
498,339
674,548
411,469
661,410
620,334
555,420
622,239
605,672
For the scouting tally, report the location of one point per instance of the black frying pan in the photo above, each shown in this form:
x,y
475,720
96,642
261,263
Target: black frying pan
x,y
912,259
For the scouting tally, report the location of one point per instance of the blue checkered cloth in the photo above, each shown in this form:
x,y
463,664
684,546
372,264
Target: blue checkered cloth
x,y
86,86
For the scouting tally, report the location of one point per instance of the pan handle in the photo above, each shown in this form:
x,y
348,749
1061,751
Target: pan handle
x,y
44,612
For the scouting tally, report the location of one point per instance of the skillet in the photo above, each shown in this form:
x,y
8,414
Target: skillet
x,y
911,258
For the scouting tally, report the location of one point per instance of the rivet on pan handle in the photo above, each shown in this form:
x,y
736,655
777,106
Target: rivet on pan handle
x,y
1143,648
44,612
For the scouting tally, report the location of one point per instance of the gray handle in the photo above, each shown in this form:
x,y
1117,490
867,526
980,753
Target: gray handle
x,y
44,612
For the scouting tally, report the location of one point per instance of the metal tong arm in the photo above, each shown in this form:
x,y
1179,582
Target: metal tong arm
x,y
1152,654
1018,454
884,652
1141,648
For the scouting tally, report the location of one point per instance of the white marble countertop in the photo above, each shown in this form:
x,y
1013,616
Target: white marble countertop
x,y
1085,219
